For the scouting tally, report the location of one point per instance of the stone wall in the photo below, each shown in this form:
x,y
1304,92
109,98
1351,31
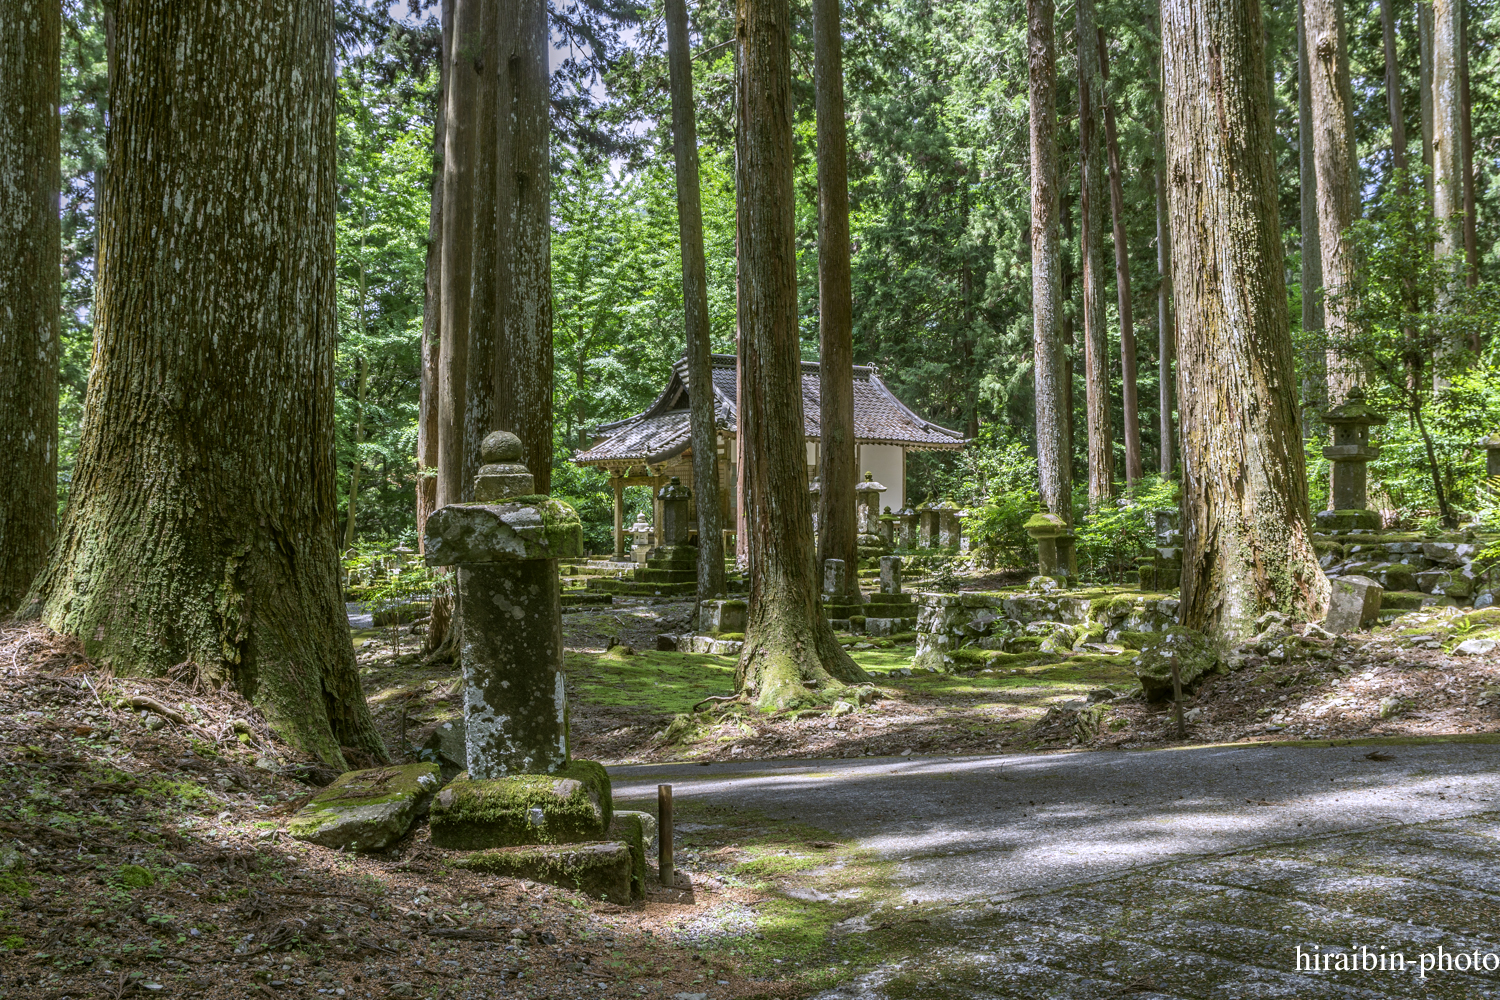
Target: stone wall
x,y
1413,569
1009,622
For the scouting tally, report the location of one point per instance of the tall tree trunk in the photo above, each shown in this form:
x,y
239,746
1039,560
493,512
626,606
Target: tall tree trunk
x,y
30,288
201,531
1166,321
1067,341
485,349
1338,194
695,305
837,531
1447,151
1393,86
1091,251
1315,389
523,373
427,405
1053,455
1424,84
1466,127
359,438
789,645
464,82
1128,402
1246,541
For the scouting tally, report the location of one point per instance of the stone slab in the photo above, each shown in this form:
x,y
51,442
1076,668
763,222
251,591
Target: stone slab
x,y
570,805
367,810
1354,604
600,870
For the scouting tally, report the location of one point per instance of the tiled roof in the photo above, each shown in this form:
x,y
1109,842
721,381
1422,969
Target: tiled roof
x,y
661,431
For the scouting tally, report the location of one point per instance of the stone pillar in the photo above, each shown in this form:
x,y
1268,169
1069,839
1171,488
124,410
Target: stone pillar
x,y
890,574
1168,574
927,528
840,601
909,523
815,493
618,482
833,577
1052,560
505,546
1350,451
948,526
867,516
886,529
1491,446
961,536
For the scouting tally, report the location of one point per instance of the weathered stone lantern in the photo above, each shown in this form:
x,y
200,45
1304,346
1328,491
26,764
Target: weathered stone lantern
x,y
927,528
909,522
521,785
948,526
641,538
815,493
867,512
1350,451
886,528
1491,446
1053,545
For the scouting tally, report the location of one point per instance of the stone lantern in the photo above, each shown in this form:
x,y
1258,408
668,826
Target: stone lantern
x,y
1491,446
909,521
886,528
948,526
927,527
1053,545
641,539
867,511
815,493
521,785
1350,451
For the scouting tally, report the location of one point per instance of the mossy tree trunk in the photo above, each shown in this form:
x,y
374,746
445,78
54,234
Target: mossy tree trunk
x,y
480,403
201,529
1315,389
789,645
695,305
1050,371
29,289
1129,404
1246,544
838,534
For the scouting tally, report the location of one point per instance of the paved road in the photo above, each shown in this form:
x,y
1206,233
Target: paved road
x,y
1235,856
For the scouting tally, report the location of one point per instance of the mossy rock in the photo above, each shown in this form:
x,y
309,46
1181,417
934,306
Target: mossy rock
x,y
600,870
367,810
1194,655
570,805
638,830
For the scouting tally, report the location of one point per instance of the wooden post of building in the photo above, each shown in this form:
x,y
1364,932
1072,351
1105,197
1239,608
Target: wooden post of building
x,y
618,482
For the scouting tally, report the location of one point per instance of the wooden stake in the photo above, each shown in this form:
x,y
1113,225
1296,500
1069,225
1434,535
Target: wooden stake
x,y
1177,699
664,832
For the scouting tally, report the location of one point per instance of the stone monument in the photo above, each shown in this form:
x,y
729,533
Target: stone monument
x,y
1350,451
867,516
1049,530
1168,574
889,610
909,519
887,528
1491,446
927,528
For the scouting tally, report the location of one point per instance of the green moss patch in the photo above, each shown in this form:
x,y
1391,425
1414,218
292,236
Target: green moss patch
x,y
658,682
601,870
570,805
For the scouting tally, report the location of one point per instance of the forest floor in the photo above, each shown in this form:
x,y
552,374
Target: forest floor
x,y
142,854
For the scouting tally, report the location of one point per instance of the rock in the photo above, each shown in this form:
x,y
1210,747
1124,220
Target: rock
x,y
1192,715
841,708
1484,601
600,870
446,745
1475,647
570,805
1390,707
1042,585
666,642
638,831
1191,651
1354,604
367,810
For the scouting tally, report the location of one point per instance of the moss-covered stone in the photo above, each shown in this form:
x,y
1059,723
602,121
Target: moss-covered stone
x,y
1194,655
367,810
533,527
600,870
570,805
638,831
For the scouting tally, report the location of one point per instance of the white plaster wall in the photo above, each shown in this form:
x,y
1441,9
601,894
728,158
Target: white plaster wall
x,y
889,466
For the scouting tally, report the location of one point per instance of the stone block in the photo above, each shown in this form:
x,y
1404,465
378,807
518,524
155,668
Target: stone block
x,y
638,831
890,574
723,615
446,743
1347,520
570,805
834,577
1446,582
1191,651
1354,604
367,810
537,527
600,870
1450,553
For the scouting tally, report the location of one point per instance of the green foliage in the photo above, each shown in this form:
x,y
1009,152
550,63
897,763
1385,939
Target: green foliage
x,y
1110,538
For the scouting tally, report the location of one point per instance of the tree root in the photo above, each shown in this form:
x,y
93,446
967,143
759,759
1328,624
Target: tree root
x,y
727,698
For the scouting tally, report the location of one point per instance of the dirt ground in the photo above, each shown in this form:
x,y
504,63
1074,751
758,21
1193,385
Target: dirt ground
x,y
142,849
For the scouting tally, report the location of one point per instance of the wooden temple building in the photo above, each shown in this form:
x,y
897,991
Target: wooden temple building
x,y
652,446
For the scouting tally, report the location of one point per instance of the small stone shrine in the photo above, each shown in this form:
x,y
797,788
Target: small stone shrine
x,y
890,611
671,567
1349,453
867,517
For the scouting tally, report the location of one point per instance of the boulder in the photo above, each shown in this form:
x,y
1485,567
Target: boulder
x,y
1355,603
599,870
1476,647
367,810
1194,655
570,805
445,745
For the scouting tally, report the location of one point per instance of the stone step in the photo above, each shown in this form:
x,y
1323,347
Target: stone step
x,y
584,598
602,870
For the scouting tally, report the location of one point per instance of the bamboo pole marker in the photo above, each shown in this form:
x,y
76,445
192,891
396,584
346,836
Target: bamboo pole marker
x,y
664,832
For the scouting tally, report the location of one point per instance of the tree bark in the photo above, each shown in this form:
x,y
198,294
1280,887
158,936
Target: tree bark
x,y
838,534
432,304
1466,127
464,82
1091,250
1166,331
695,304
1315,389
523,373
1424,84
1050,375
1447,152
485,348
359,437
201,532
789,645
1393,86
1128,401
1246,540
1338,206
30,288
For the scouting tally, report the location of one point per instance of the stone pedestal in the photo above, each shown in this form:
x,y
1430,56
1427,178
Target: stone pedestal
x,y
723,615
1349,453
889,610
927,527
909,525
1168,555
839,604
1047,530
521,785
